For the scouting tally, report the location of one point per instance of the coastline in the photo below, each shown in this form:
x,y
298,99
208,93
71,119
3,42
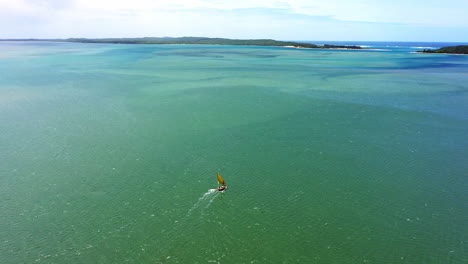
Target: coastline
x,y
445,53
323,48
290,47
201,44
199,41
452,50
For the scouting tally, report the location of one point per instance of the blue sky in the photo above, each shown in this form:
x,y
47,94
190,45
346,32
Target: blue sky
x,y
366,20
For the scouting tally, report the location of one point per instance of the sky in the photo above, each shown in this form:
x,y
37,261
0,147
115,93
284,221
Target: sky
x,y
333,20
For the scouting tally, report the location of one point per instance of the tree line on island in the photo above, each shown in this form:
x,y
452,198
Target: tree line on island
x,y
199,41
211,41
462,49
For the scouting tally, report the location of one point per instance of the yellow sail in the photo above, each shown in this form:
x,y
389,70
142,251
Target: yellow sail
x,y
220,179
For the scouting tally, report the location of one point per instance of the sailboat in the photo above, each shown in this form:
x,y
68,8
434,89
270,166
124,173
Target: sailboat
x,y
221,181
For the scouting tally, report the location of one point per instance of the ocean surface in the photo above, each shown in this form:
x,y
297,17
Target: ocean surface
x,y
109,154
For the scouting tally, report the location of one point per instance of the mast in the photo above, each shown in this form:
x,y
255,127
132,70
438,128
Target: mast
x,y
220,179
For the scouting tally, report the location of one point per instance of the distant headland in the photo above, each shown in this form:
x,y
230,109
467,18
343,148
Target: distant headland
x,y
198,41
462,49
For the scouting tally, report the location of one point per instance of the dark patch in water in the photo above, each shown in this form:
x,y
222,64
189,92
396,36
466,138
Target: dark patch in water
x,y
459,91
427,63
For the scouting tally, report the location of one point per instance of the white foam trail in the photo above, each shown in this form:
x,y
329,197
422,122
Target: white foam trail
x,y
209,202
204,197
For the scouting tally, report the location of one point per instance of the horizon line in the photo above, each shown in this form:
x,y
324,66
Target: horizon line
x,y
51,39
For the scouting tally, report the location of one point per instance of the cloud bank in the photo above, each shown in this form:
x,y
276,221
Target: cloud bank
x,y
289,20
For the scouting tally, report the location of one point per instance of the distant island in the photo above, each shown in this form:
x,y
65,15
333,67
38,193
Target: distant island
x,y
198,41
462,49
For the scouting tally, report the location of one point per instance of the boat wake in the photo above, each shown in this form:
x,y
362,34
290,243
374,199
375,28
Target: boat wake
x,y
172,248
204,201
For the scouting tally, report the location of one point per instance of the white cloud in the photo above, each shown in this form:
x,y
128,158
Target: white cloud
x,y
241,18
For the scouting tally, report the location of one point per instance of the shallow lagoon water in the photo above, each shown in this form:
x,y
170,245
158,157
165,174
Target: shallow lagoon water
x,y
109,154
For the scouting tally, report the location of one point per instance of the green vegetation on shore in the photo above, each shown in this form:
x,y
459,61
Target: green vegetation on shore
x,y
201,41
462,49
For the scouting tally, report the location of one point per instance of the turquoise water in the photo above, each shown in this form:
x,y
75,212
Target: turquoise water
x,y
109,154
